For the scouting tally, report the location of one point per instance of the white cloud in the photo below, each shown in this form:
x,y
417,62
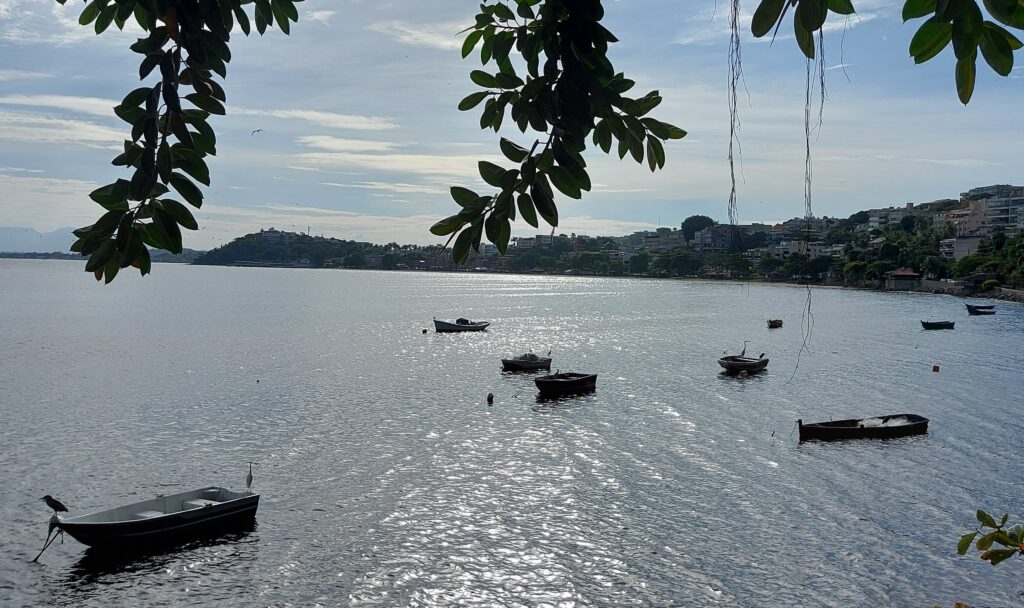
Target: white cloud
x,y
46,204
95,106
43,129
340,144
434,165
394,187
323,17
442,36
707,29
8,75
324,119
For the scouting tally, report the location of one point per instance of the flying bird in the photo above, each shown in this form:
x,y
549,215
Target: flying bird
x,y
54,504
255,131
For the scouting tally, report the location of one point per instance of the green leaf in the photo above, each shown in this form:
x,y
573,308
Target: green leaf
x,y
99,258
472,100
207,104
540,192
143,262
1012,40
804,37
105,18
655,154
463,196
930,39
170,231
189,191
812,13
965,74
483,79
191,163
513,151
242,19
91,11
178,212
113,197
448,225
163,162
470,42
525,204
136,97
841,7
766,16
986,519
460,251
965,543
281,18
997,52
564,181
915,9
995,556
113,263
491,173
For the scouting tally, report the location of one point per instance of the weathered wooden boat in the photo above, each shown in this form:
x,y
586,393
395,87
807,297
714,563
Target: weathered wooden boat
x,y
526,363
165,520
879,427
937,324
735,364
978,309
774,323
566,383
459,325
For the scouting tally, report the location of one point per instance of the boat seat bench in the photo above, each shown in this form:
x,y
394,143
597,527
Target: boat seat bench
x,y
197,503
148,514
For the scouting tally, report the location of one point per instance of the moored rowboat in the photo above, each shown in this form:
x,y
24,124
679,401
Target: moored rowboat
x,y
566,383
734,364
879,427
938,324
526,363
164,520
459,325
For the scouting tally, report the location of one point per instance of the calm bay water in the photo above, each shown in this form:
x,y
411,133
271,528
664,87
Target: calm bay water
x,y
387,480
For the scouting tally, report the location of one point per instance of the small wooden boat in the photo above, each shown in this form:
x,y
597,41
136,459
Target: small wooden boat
x,y
774,323
459,325
566,383
937,324
164,520
526,363
879,427
735,364
977,309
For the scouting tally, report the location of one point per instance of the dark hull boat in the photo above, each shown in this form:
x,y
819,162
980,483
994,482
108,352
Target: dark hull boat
x,y
879,427
774,323
977,310
164,521
735,364
566,383
459,325
937,324
526,363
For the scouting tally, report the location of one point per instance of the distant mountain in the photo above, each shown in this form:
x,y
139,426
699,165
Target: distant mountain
x,y
27,240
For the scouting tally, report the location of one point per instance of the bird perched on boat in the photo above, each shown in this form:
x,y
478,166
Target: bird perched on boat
x,y
248,479
54,504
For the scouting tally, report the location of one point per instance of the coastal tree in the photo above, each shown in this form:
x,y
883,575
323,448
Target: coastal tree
x,y
694,224
559,85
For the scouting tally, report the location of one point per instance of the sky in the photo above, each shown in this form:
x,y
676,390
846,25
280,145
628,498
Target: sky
x,y
361,138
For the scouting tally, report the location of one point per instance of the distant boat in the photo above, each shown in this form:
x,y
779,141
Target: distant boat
x,y
774,323
566,383
937,324
459,325
735,364
526,363
978,309
879,427
164,520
